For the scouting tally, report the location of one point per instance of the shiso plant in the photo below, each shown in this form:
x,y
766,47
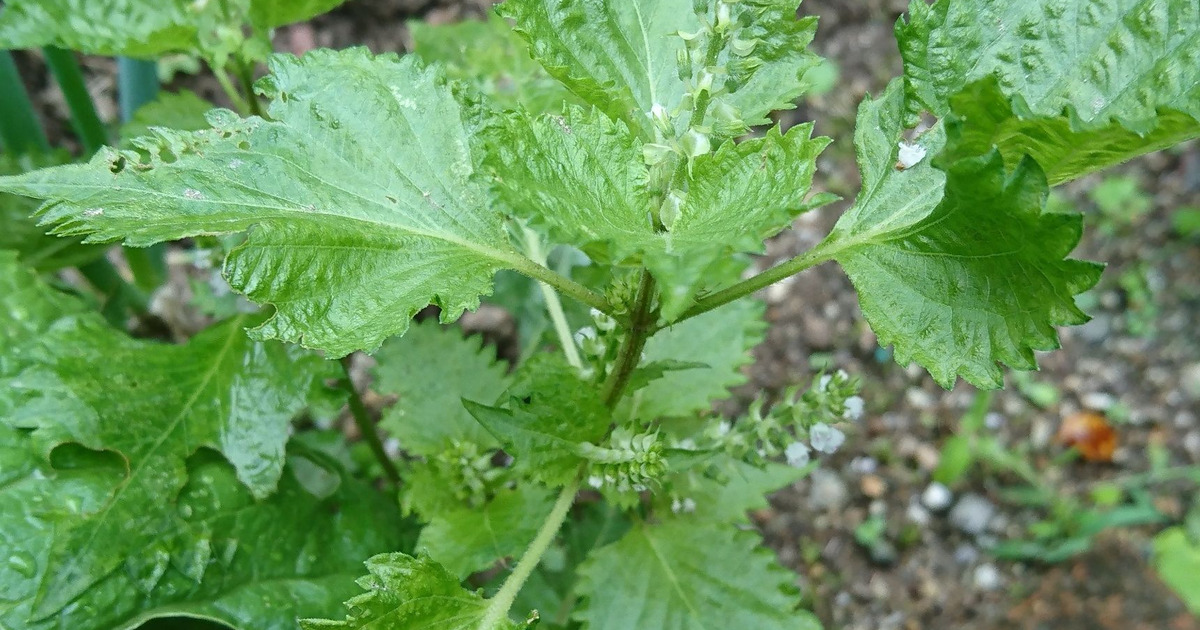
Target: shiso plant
x,y
606,170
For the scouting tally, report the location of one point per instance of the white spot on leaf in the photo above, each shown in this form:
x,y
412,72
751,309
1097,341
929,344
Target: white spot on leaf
x,y
910,155
192,193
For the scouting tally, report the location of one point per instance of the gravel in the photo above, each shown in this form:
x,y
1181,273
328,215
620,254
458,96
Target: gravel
x,y
972,514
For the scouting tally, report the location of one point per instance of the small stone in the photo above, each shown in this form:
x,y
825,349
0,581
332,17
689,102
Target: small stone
x,y
1097,329
873,486
1189,381
1191,444
1100,401
918,514
919,398
966,554
987,577
972,514
937,497
827,491
864,465
883,553
927,457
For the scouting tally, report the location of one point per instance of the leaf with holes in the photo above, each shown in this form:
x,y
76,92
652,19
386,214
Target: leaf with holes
x,y
220,554
144,28
153,404
363,210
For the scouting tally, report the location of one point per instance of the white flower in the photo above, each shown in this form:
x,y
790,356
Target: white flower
x,y
603,321
595,481
825,438
585,334
796,454
723,428
854,408
911,154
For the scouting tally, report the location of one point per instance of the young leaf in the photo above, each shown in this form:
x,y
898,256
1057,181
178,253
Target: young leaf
x,y
680,575
492,58
433,369
551,411
467,540
410,593
19,232
1078,85
582,175
143,28
959,270
221,555
622,55
365,209
154,404
720,339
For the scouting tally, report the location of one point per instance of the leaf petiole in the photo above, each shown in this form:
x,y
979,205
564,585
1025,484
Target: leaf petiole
x,y
803,262
564,285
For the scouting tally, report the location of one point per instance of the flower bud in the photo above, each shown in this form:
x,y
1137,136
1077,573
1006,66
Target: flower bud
x,y
683,64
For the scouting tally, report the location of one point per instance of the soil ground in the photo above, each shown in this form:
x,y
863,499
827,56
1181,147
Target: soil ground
x,y
1138,359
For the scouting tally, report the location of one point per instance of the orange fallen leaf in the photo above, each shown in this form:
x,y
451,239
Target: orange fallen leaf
x,y
1090,434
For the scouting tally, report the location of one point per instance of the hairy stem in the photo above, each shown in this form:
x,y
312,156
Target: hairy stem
x,y
502,601
809,259
628,357
20,130
533,244
630,353
563,284
362,419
